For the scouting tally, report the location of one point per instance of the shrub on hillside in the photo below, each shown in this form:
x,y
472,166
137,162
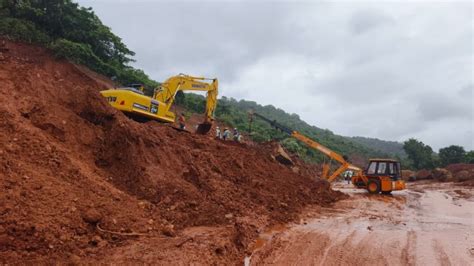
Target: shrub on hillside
x,y
76,52
22,30
81,53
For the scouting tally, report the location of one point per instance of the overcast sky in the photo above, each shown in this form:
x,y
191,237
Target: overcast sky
x,y
390,70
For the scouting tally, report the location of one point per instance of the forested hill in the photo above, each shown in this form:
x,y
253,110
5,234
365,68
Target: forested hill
x,y
235,113
384,146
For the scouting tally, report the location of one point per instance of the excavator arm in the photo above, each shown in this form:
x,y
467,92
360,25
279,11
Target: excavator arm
x,y
344,165
167,92
315,145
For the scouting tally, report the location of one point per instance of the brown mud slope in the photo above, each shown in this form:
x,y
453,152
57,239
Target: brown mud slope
x,y
80,182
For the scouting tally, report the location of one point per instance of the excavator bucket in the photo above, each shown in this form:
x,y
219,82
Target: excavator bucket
x,y
325,171
203,128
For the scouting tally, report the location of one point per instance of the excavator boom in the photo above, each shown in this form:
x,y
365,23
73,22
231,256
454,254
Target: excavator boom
x,y
167,92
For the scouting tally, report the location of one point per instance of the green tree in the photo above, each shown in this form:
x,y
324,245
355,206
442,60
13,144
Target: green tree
x,y
452,154
469,158
292,145
420,155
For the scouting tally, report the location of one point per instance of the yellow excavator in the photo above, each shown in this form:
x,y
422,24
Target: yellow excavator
x,y
381,175
133,102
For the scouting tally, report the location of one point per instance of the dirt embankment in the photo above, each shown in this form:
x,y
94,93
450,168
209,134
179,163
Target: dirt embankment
x,y
81,182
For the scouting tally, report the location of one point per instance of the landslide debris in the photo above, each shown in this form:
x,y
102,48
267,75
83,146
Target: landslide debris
x,y
80,182
461,172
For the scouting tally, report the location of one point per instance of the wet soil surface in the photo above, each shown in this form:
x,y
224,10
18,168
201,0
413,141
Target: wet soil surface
x,y
427,224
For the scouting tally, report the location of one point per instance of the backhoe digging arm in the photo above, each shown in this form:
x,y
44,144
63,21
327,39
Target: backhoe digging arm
x,y
315,145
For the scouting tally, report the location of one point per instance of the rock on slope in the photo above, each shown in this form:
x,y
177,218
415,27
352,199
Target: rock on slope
x,y
81,182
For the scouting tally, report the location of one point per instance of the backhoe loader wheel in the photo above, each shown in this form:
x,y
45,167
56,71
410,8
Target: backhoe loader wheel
x,y
373,186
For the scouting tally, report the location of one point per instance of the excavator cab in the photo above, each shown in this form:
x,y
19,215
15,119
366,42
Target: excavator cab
x,y
136,88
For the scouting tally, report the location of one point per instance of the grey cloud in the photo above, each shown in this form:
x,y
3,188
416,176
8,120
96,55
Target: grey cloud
x,y
209,37
367,20
432,108
467,91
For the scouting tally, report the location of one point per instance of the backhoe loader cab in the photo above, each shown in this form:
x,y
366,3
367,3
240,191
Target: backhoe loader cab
x,y
381,175
387,167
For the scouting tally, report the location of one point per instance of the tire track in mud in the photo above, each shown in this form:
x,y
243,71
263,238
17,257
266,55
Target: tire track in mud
x,y
338,248
443,258
408,257
420,226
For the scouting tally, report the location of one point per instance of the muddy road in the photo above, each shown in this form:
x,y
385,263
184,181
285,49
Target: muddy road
x,y
428,224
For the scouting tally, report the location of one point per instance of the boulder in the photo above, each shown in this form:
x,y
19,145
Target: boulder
x,y
455,168
423,174
91,216
442,174
464,175
408,175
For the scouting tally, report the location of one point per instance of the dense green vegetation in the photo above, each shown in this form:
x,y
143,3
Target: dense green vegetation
x,y
452,154
421,156
469,158
72,32
235,113
388,147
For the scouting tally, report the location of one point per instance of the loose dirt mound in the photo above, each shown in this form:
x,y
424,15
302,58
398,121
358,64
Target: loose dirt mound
x,y
455,168
423,174
442,175
81,182
462,172
408,175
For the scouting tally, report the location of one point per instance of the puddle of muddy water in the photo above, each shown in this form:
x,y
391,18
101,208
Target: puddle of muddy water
x,y
247,261
264,238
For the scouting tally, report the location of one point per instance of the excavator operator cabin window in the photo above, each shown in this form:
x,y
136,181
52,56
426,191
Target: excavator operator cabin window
x,y
382,168
372,167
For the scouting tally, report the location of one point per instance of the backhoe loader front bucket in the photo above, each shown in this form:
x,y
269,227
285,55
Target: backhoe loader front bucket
x,y
203,128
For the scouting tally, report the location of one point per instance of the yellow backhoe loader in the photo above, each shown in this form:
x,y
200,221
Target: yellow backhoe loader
x,y
137,105
381,175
